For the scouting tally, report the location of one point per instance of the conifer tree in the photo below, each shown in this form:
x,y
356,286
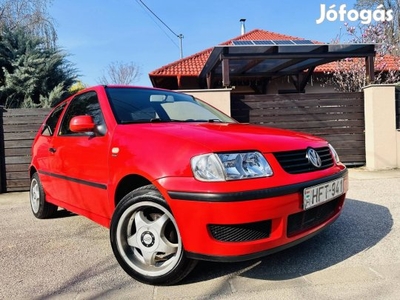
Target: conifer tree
x,y
32,74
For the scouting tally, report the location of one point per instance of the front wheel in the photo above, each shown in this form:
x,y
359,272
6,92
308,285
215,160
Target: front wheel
x,y
145,239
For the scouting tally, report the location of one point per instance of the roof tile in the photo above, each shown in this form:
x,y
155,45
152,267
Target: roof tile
x,y
192,65
382,63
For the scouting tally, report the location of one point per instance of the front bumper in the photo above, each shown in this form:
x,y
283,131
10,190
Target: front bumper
x,y
240,225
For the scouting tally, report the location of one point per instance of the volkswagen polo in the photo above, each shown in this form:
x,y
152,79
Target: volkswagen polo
x,y
176,180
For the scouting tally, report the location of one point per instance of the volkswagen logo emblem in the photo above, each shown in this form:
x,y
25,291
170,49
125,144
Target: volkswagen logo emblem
x,y
313,158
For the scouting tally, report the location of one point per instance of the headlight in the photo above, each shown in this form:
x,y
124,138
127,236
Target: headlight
x,y
230,166
334,153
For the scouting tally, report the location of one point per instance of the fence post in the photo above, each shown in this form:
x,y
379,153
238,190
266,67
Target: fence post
x,y
381,137
3,180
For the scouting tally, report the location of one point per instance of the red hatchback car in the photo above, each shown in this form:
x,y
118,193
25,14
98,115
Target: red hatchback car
x,y
178,181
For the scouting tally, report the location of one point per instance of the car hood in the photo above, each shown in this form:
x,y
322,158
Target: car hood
x,y
216,137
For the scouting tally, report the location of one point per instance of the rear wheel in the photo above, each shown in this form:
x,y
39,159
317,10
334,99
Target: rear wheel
x,y
41,209
145,239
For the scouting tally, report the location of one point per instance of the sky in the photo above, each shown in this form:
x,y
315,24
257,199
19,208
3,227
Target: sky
x,y
95,33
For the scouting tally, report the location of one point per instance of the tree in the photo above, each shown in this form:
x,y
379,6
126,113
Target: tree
x,y
350,74
371,34
31,15
32,74
389,32
120,73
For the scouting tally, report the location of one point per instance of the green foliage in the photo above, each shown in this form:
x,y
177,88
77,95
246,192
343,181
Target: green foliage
x,y
32,74
28,103
76,87
55,96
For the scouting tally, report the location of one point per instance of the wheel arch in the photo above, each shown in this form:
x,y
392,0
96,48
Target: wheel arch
x,y
128,184
32,170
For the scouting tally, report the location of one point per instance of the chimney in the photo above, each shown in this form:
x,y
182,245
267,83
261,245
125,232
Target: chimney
x,y
243,26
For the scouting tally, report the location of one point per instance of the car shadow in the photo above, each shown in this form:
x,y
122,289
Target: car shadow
x,y
360,226
62,213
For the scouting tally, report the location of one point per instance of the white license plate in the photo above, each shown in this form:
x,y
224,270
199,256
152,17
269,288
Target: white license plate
x,y
324,192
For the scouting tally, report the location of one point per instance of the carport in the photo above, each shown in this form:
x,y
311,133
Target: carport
x,y
255,66
337,117
257,62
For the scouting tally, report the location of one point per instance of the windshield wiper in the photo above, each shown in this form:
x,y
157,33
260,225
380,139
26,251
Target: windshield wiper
x,y
202,120
214,121
154,120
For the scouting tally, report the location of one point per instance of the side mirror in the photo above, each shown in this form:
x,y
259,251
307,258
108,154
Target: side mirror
x,y
82,124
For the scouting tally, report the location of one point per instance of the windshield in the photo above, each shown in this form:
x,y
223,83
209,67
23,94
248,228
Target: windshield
x,y
135,105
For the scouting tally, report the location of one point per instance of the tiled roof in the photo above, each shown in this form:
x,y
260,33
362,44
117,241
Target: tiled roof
x,y
382,63
192,65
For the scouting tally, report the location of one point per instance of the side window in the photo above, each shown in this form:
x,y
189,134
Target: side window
x,y
52,120
85,104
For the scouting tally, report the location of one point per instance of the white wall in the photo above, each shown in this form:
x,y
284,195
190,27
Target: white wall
x,y
219,98
382,140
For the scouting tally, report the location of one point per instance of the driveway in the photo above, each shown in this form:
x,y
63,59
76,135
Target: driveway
x,y
69,257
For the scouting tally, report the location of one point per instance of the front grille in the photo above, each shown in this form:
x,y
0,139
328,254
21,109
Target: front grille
x,y
305,220
241,232
295,162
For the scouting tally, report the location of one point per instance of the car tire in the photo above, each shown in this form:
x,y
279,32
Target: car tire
x,y
41,209
145,239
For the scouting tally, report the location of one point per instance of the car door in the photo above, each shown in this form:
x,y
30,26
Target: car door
x,y
41,151
80,161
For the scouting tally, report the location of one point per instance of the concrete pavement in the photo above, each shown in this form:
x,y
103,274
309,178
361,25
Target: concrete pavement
x,y
69,257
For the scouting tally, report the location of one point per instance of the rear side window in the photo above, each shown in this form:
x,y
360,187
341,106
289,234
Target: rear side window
x,y
84,104
52,120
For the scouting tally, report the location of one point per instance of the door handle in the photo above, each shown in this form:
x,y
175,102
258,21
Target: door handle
x,y
52,150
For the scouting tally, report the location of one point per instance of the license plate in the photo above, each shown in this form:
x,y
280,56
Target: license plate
x,y
324,192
